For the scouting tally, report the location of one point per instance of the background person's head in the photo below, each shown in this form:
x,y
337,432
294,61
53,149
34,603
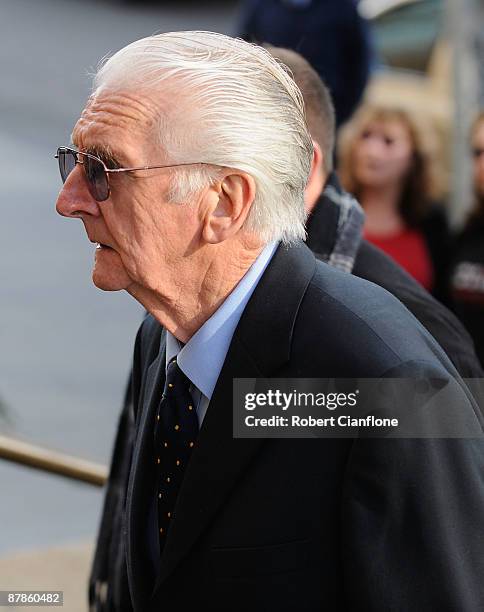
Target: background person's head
x,y
477,144
385,151
198,98
320,117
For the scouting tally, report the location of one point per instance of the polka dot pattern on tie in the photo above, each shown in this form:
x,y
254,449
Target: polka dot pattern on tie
x,y
175,433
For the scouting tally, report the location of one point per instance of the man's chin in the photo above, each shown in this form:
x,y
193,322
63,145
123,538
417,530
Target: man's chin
x,y
108,273
107,284
110,278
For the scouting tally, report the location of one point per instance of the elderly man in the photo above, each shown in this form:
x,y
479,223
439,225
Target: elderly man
x,y
191,160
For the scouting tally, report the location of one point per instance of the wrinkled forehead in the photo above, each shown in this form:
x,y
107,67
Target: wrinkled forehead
x,y
118,120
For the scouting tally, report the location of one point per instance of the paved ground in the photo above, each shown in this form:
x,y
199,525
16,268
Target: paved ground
x,y
56,569
65,346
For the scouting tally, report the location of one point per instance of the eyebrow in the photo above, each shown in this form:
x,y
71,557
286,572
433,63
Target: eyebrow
x,y
106,154
111,158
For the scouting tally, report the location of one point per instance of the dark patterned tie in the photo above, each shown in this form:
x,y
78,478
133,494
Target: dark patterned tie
x,y
176,430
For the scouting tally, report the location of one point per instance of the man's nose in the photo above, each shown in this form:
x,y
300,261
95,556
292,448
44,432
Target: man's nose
x,y
74,200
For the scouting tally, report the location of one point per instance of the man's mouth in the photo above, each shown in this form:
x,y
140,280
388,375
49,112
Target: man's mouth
x,y
100,245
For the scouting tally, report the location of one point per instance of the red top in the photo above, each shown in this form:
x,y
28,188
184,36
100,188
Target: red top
x,y
409,249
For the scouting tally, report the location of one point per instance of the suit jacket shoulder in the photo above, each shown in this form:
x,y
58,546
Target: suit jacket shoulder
x,y
349,327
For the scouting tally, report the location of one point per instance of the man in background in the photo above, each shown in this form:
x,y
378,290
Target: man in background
x,y
335,223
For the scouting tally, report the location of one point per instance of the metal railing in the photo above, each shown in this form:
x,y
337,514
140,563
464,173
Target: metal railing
x,y
52,461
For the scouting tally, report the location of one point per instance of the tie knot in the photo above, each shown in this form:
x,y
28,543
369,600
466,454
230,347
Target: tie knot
x,y
175,378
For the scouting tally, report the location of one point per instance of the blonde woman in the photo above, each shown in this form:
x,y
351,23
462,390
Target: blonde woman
x,y
389,164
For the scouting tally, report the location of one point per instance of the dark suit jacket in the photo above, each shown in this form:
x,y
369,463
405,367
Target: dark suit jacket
x,y
306,524
374,265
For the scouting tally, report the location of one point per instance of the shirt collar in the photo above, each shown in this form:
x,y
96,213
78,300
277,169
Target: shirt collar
x,y
202,357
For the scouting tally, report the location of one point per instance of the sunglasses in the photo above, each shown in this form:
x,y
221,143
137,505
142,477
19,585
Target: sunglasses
x,y
95,170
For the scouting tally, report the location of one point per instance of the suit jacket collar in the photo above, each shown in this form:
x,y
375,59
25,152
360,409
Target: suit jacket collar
x,y
260,346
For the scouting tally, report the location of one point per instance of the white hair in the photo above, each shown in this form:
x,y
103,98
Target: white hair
x,y
233,106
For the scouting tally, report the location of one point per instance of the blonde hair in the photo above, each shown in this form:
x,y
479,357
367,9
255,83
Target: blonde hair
x,y
424,182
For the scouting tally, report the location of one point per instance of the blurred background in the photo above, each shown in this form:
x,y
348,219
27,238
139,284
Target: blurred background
x,y
66,346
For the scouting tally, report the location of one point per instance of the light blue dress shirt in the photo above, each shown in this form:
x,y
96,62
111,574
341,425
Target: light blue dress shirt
x,y
202,357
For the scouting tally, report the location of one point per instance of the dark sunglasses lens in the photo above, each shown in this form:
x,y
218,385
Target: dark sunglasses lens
x,y
67,163
96,178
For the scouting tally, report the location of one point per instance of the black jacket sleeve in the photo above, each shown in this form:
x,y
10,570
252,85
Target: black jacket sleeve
x,y
108,581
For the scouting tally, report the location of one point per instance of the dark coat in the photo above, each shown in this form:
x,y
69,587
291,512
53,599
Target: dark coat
x,y
437,236
374,265
467,281
307,524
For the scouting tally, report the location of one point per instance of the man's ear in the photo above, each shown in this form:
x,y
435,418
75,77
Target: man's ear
x,y
318,161
316,178
228,203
